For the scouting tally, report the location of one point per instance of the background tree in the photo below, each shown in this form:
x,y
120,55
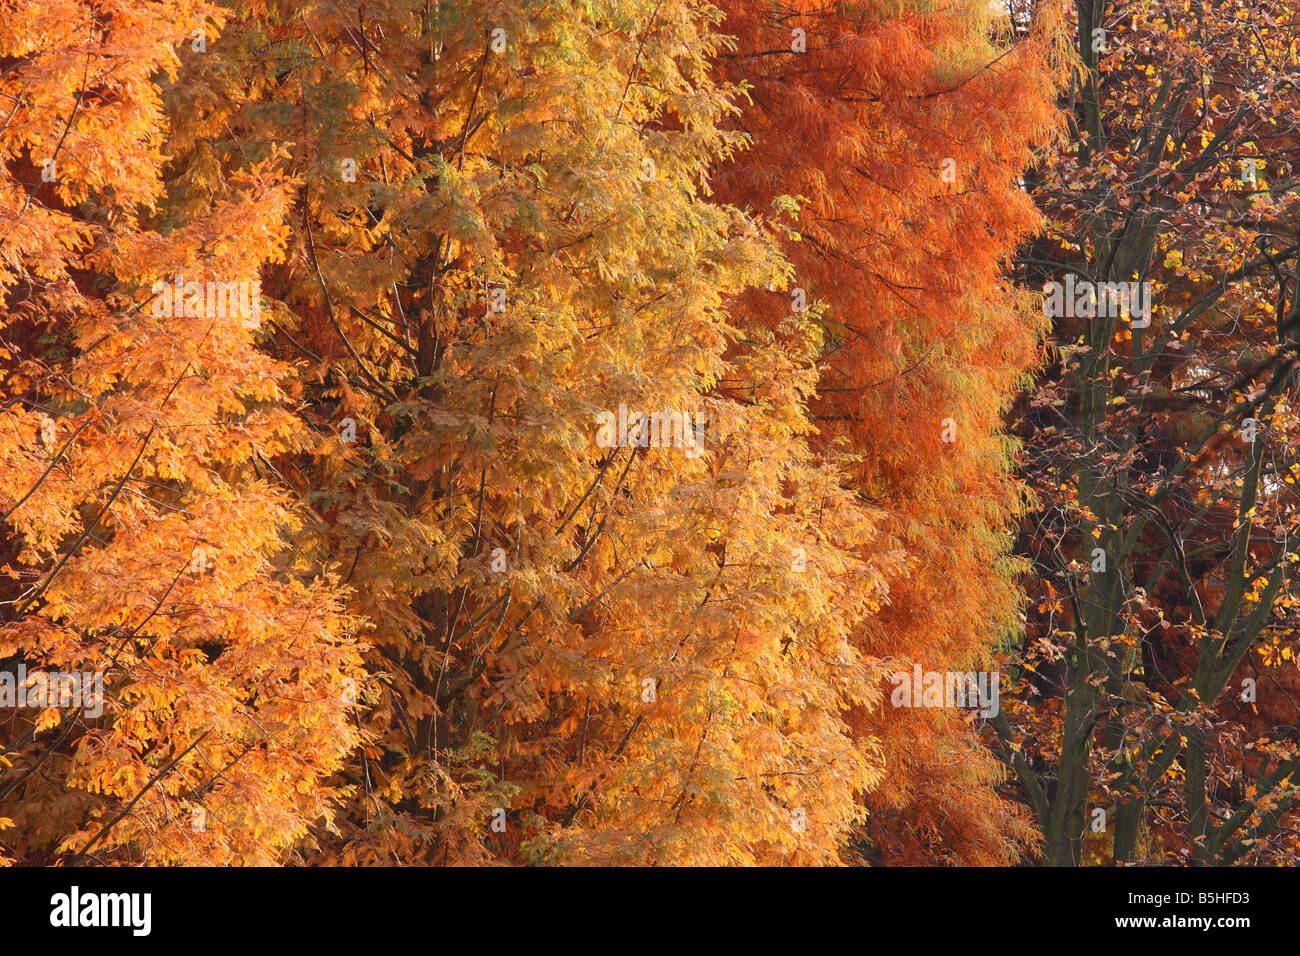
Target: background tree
x,y
1161,448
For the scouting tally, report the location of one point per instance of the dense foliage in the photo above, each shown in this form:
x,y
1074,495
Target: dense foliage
x,y
548,431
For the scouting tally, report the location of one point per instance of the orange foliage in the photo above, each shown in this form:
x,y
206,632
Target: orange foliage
x,y
904,135
320,338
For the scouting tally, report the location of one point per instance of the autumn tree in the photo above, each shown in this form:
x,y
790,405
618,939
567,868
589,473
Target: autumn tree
x,y
901,132
144,528
502,246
